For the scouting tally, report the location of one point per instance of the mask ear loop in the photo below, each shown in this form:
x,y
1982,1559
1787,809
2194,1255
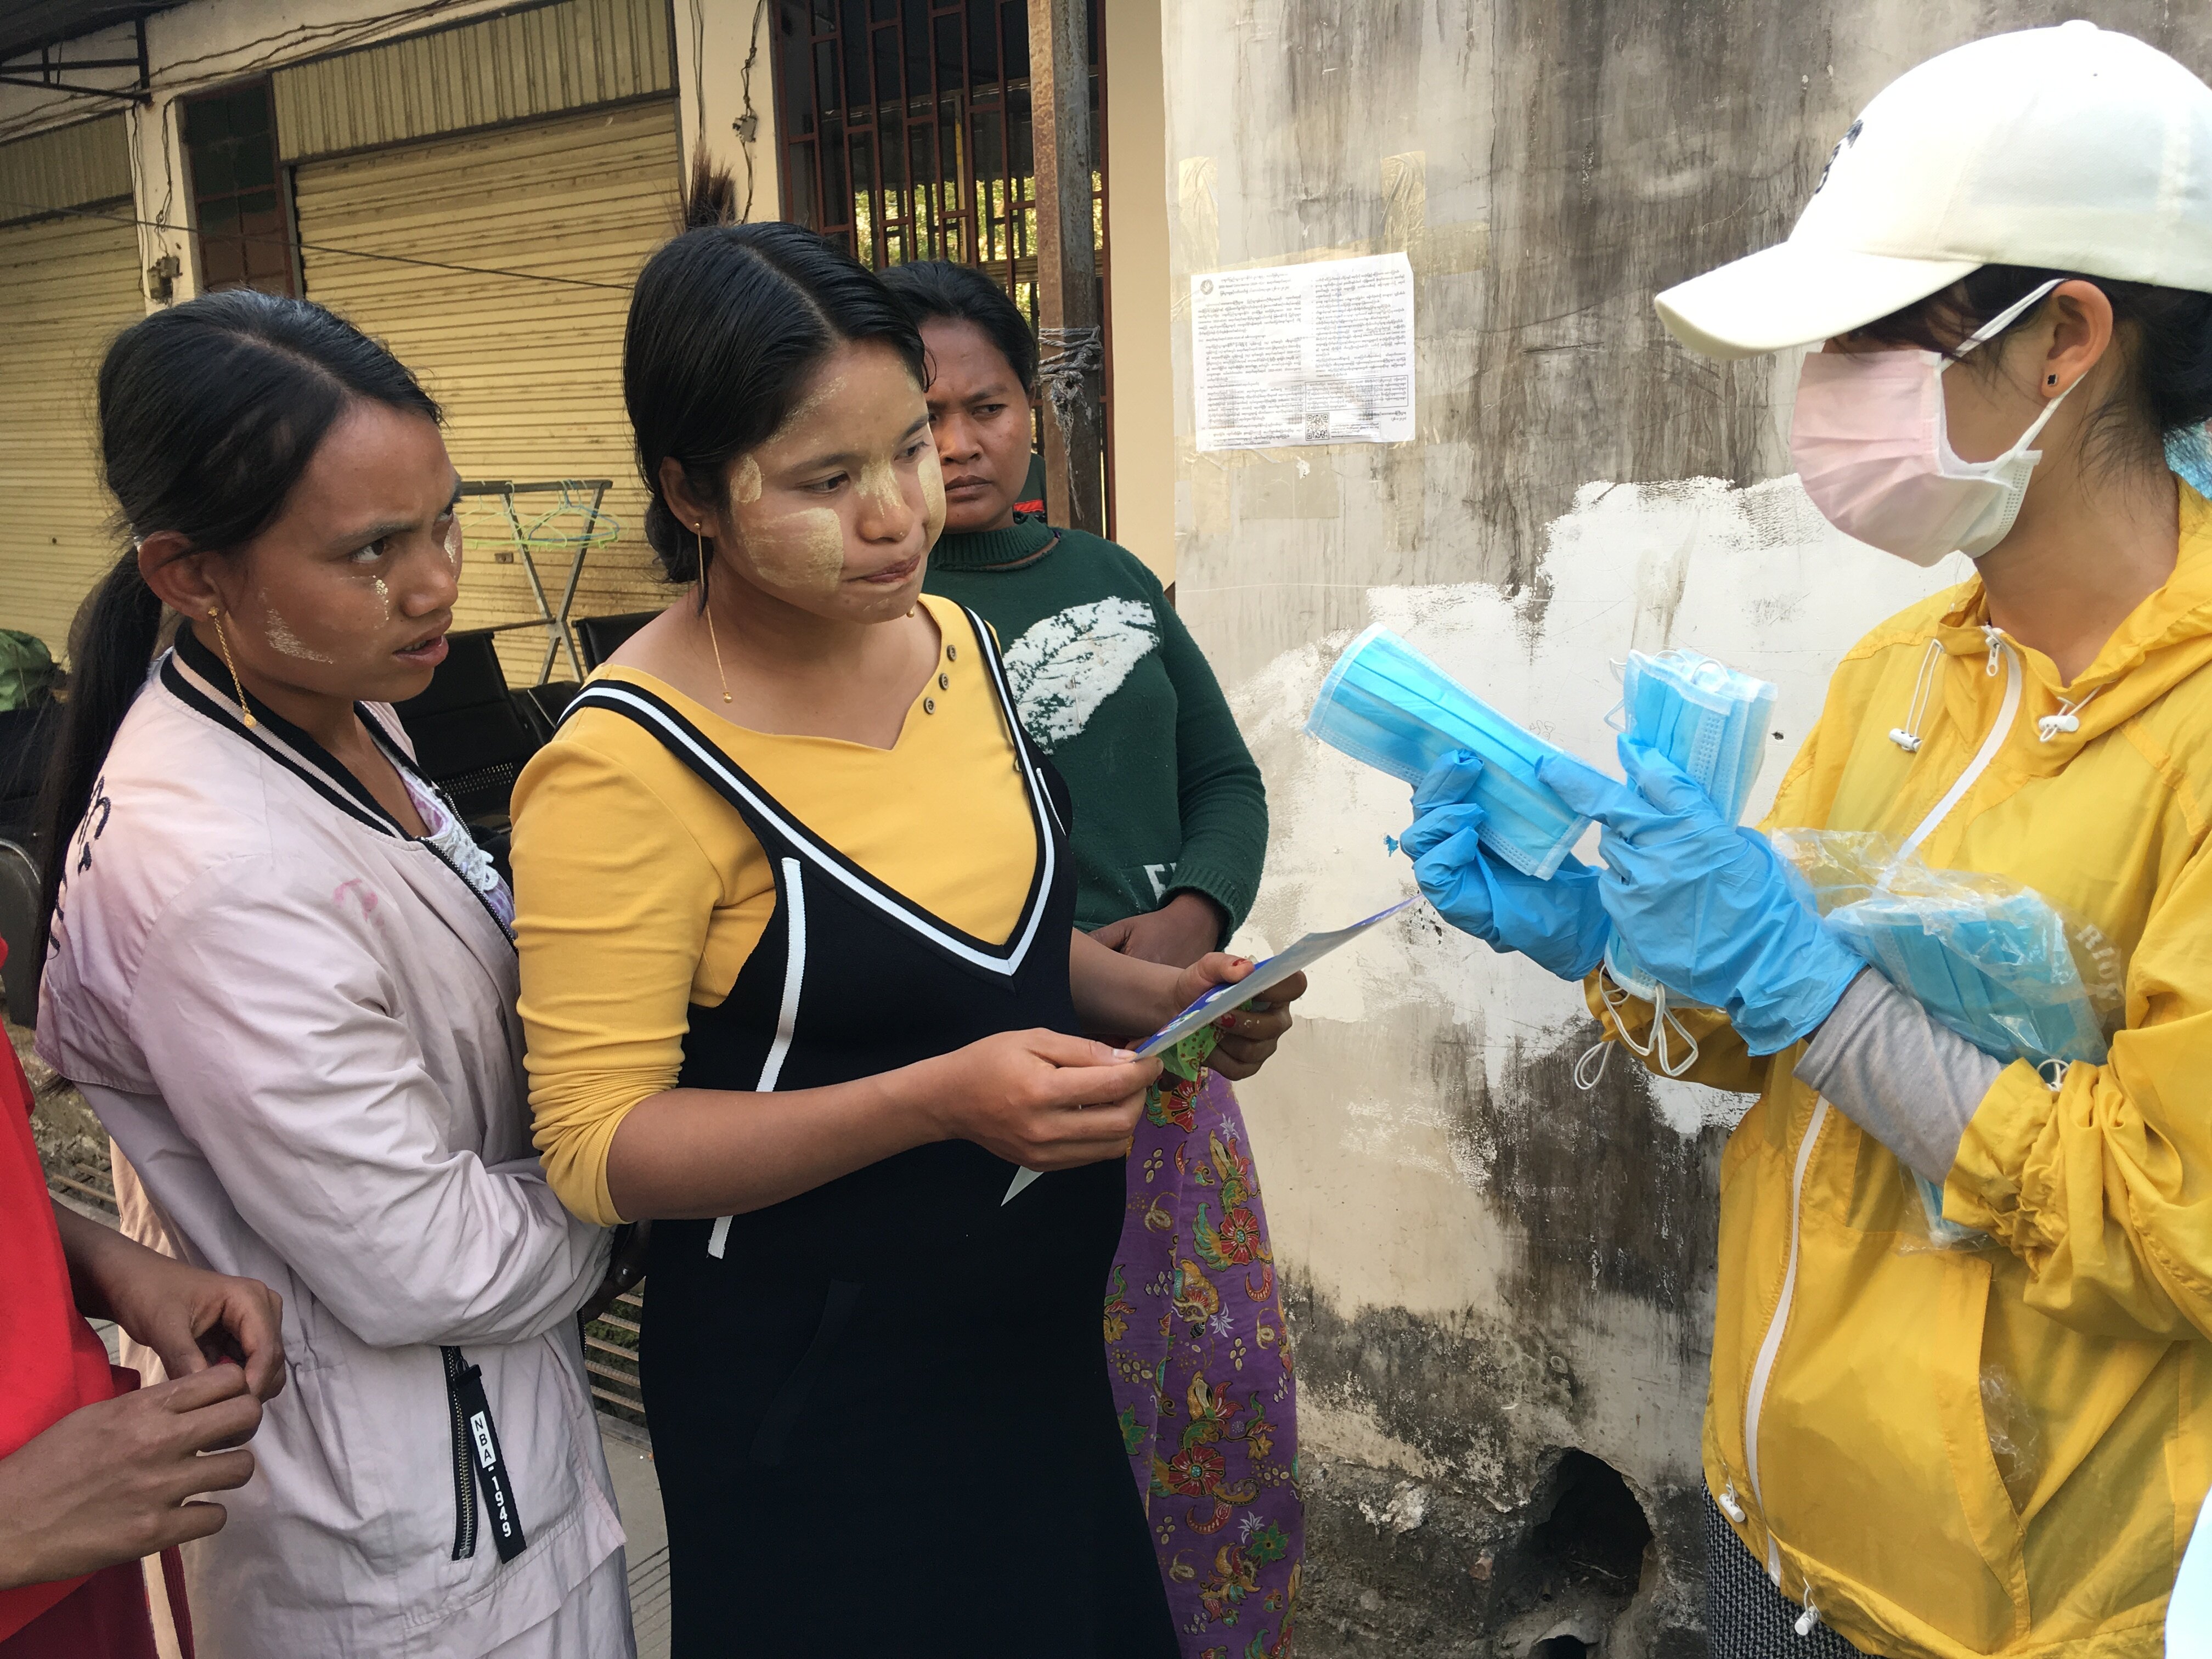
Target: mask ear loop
x,y
2004,319
1617,718
1988,332
1654,1048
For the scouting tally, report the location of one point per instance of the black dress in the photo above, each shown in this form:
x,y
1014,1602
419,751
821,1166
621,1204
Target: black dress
x,y
880,1410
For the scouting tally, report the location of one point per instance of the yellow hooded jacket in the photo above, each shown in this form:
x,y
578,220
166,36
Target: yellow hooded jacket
x,y
1999,1449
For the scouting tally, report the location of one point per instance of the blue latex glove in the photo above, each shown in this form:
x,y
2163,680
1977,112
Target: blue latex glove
x,y
1708,907
1558,924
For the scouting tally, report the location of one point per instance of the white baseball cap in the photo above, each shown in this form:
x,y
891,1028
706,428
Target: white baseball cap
x,y
2068,149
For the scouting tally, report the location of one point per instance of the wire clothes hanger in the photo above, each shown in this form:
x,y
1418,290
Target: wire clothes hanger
x,y
573,522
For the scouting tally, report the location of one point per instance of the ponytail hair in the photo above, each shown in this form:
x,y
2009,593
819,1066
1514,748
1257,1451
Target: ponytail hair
x,y
210,411
726,324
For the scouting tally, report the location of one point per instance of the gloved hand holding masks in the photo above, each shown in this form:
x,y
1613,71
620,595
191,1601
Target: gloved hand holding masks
x,y
1557,923
1707,906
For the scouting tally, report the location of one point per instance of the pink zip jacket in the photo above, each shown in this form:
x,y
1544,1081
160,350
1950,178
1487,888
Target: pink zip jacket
x,y
298,1024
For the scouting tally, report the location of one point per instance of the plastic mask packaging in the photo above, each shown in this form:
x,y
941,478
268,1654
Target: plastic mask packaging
x,y
1712,722
2189,453
1988,958
1386,704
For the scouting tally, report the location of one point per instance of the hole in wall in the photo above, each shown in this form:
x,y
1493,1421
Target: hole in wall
x,y
1560,1646
1596,1526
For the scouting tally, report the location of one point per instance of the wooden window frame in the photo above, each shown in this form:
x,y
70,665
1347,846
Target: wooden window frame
x,y
286,228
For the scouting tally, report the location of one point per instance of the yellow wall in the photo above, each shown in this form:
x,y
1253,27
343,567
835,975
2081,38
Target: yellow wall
x,y
71,285
1137,232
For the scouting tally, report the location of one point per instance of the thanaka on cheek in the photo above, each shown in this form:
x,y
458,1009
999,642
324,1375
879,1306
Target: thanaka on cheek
x,y
933,495
284,640
804,549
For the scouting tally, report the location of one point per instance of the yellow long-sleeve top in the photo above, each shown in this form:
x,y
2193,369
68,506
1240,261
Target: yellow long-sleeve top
x,y
639,892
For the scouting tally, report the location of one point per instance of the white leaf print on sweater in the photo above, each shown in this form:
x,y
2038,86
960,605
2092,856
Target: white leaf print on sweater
x,y
1068,664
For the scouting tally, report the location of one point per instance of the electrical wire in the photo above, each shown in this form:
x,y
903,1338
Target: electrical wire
x,y
300,43
324,247
749,123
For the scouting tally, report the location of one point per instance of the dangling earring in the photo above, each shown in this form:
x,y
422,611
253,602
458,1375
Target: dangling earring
x,y
699,538
237,684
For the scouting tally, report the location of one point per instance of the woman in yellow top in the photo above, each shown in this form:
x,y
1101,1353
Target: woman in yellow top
x,y
794,905
1916,1451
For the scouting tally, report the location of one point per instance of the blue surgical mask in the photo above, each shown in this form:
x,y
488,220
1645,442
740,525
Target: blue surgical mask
x,y
1704,716
1711,721
1997,970
2189,453
1386,704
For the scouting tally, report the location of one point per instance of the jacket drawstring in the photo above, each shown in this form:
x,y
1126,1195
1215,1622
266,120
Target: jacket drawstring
x,y
2067,718
1808,1620
1907,737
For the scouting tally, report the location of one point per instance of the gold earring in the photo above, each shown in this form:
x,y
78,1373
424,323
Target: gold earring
x,y
237,684
698,535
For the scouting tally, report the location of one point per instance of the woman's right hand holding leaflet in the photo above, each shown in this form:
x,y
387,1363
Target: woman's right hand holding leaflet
x,y
1707,906
1558,924
1041,1099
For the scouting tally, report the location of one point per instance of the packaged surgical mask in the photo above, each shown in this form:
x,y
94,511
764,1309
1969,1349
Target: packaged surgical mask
x,y
1386,704
1990,958
2189,453
1711,721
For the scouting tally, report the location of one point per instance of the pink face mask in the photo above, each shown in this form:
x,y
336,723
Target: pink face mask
x,y
1868,440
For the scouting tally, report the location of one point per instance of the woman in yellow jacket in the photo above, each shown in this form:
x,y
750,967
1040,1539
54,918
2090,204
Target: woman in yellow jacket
x,y
1912,1450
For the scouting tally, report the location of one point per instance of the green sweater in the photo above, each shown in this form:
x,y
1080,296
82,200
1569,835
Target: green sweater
x,y
1112,686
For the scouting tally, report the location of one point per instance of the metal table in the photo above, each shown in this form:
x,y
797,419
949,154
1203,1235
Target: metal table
x,y
555,622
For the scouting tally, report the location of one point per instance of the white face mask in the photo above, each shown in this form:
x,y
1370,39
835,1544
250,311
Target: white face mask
x,y
1871,450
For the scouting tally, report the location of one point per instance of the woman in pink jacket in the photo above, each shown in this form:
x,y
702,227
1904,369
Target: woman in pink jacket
x,y
281,973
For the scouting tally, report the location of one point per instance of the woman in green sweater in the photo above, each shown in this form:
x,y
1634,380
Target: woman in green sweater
x,y
1170,831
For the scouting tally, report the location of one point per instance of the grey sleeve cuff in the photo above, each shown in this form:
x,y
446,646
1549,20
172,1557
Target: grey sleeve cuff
x,y
1911,1084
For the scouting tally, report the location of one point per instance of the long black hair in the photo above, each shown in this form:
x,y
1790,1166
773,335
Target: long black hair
x,y
726,324
935,289
2166,333
209,413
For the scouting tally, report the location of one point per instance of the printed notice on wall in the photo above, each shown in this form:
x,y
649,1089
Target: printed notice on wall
x,y
1309,354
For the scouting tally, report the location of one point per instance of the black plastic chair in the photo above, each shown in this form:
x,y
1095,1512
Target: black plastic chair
x,y
551,701
599,638
19,921
27,739
470,737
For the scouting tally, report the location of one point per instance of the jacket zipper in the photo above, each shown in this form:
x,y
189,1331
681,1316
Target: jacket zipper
x,y
2001,654
464,1480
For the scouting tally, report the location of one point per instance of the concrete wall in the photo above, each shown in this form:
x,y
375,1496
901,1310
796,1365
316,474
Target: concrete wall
x,y
713,40
1135,146
1497,1277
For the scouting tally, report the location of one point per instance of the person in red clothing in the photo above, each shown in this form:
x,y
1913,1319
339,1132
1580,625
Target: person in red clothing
x,y
96,1472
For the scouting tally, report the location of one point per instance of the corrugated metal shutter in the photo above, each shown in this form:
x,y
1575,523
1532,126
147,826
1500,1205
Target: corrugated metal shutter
x,y
508,68
67,166
71,285
530,372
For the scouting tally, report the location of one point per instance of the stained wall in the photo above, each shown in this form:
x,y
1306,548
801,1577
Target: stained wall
x,y
1498,1276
